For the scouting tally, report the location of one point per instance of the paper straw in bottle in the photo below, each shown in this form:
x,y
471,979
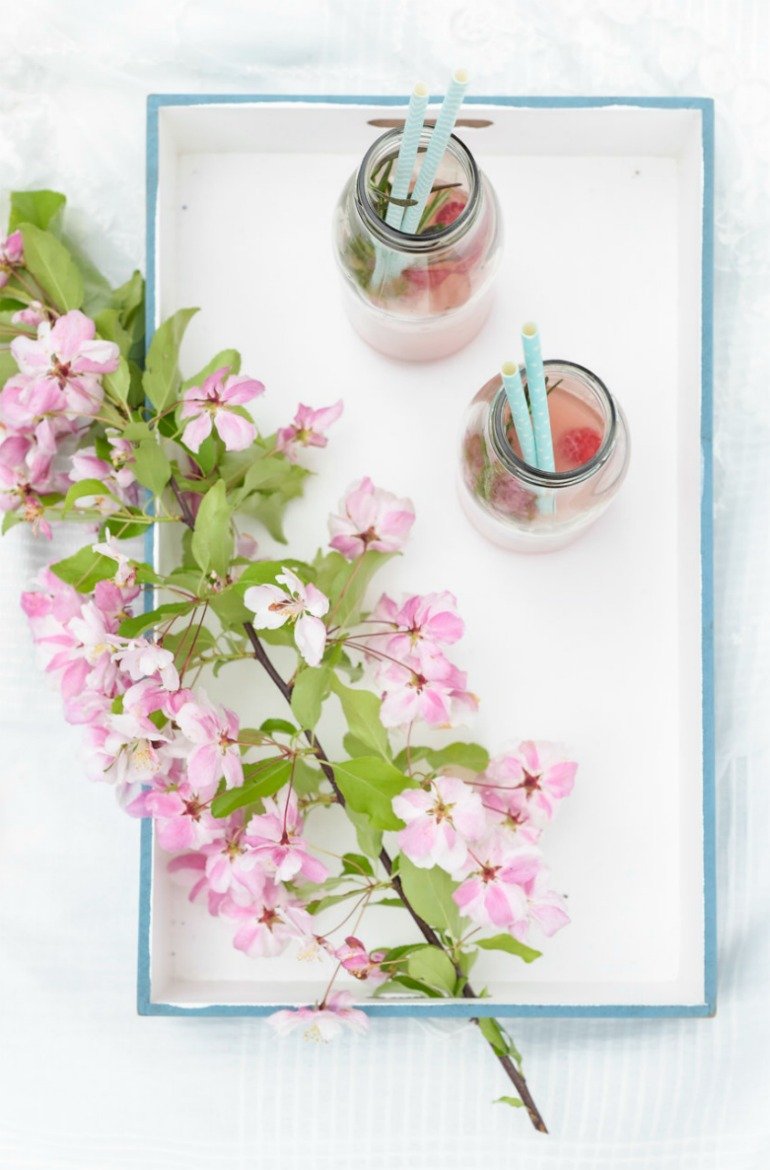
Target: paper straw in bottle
x,y
407,154
538,397
514,392
439,140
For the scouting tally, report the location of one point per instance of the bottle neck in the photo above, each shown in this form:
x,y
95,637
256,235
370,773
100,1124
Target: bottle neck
x,y
386,148
593,390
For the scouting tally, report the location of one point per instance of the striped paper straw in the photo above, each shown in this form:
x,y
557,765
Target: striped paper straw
x,y
407,154
514,392
439,140
538,397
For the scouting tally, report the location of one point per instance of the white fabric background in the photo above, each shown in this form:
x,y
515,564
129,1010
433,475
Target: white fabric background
x,y
84,1083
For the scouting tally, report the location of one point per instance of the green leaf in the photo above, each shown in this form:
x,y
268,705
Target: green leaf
x,y
128,299
212,542
226,357
319,904
39,208
282,726
307,779
432,966
85,569
86,487
266,779
308,694
108,326
515,1102
162,380
52,267
131,627
229,608
362,714
369,838
459,755
497,1038
415,985
505,942
350,584
269,511
430,892
151,466
118,383
356,863
369,785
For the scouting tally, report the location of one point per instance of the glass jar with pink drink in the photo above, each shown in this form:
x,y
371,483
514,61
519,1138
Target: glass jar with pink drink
x,y
522,507
425,294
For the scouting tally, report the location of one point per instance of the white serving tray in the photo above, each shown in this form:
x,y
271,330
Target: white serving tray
x,y
606,644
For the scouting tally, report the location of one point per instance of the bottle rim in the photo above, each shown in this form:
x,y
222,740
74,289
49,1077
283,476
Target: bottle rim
x,y
554,479
408,242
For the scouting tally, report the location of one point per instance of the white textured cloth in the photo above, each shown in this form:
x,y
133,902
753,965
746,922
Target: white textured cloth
x,y
87,1085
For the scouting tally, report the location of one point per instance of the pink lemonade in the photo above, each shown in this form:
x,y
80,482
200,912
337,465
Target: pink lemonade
x,y
577,428
528,510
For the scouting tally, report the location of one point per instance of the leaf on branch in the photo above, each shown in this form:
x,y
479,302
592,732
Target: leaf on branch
x,y
53,268
162,380
151,466
131,627
40,208
212,541
85,569
459,755
308,694
260,780
118,383
362,714
226,357
86,487
430,892
432,966
506,942
515,1102
369,785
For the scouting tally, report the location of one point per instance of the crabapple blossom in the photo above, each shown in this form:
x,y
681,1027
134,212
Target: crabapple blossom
x,y
229,858
304,605
370,518
11,256
127,748
275,835
360,963
529,781
125,573
321,1022
195,864
429,688
212,405
508,888
440,821
140,658
32,314
418,623
214,733
307,429
180,811
269,917
69,355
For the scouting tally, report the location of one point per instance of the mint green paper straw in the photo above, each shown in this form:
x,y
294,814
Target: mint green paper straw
x,y
514,392
538,397
407,154
439,140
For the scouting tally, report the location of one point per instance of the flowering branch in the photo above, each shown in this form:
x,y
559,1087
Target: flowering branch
x,y
96,431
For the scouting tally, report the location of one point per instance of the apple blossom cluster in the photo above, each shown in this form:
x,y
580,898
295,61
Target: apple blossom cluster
x,y
48,406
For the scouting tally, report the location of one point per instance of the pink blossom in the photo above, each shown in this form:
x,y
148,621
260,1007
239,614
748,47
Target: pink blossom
x,y
270,919
25,401
246,546
360,963
429,688
275,835
125,573
11,256
195,863
321,1022
508,888
230,858
307,429
370,518
180,813
418,623
116,475
70,355
32,314
140,658
440,821
304,605
212,405
127,748
214,732
529,781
